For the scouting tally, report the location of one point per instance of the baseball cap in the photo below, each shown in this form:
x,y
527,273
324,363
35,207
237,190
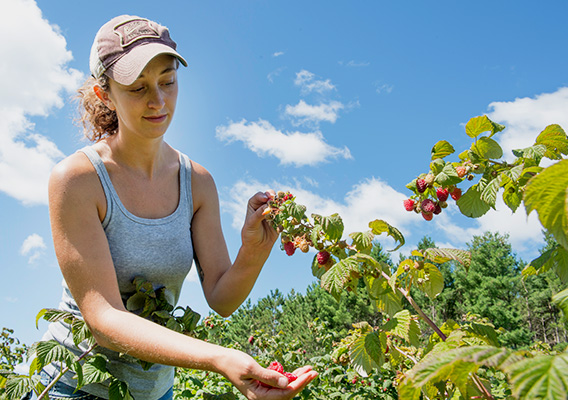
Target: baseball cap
x,y
126,44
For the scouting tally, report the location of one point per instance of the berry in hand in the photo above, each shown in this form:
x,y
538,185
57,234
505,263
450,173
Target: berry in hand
x,y
291,377
409,204
276,366
442,194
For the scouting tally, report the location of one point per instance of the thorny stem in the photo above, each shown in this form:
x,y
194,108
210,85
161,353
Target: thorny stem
x,y
406,294
62,372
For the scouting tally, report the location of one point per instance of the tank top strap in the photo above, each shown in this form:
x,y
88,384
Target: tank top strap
x,y
185,164
104,178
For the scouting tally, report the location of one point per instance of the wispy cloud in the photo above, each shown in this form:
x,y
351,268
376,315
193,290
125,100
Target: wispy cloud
x,y
526,117
303,113
31,84
295,148
272,75
355,64
383,87
278,54
33,247
308,83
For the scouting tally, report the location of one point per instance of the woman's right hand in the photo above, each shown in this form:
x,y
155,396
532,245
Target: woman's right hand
x,y
256,382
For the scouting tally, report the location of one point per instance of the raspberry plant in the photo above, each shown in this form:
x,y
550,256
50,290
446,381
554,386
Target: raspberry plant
x,y
459,360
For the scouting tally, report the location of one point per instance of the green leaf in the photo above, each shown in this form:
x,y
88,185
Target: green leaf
x,y
489,193
317,269
433,280
385,299
335,279
561,301
512,196
363,241
535,152
448,176
437,165
379,226
118,390
555,140
555,258
136,302
542,377
514,173
17,386
361,360
54,315
484,332
51,351
547,194
477,125
442,149
471,205
332,226
297,211
403,325
440,256
487,148
95,370
81,332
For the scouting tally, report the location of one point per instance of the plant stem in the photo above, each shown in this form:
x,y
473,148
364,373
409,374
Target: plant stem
x,y
62,372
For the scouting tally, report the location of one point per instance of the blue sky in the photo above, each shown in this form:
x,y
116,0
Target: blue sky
x,y
339,102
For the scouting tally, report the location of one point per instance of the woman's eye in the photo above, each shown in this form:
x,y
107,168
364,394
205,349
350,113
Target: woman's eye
x,y
137,90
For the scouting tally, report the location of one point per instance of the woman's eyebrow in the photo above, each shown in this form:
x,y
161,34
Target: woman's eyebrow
x,y
169,69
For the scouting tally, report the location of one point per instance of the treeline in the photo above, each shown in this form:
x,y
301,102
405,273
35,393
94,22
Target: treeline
x,y
492,289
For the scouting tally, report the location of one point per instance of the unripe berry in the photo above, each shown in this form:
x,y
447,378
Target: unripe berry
x,y
429,179
461,170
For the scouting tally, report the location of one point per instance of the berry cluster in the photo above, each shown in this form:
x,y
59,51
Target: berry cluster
x,y
276,366
429,198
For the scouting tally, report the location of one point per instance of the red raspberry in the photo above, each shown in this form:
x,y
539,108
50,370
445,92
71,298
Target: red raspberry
x,y
421,185
428,206
428,216
291,377
276,366
251,339
461,170
456,194
408,204
438,209
354,381
442,194
289,248
323,257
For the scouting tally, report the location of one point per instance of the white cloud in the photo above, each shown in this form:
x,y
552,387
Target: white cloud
x,y
305,80
33,75
383,88
526,117
355,64
278,54
304,113
33,247
274,74
289,147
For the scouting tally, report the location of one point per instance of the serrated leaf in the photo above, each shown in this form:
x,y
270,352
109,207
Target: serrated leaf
x,y
332,226
403,325
136,302
512,196
448,176
387,301
437,166
118,390
561,301
360,358
542,377
297,211
535,152
514,173
17,386
471,205
81,332
484,332
54,315
433,280
555,140
440,256
489,193
335,279
487,148
95,370
51,351
379,226
478,125
555,258
547,194
442,149
363,241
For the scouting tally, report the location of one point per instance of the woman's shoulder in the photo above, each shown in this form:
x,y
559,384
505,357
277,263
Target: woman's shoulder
x,y
74,175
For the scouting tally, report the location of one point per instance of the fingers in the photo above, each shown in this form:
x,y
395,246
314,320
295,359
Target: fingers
x,y
271,378
260,198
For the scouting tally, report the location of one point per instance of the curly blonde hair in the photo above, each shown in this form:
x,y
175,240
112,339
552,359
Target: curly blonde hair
x,y
97,119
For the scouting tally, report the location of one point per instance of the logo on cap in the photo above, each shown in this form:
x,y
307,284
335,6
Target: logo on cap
x,y
136,29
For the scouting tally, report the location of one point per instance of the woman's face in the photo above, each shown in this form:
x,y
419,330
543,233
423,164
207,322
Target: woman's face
x,y
146,107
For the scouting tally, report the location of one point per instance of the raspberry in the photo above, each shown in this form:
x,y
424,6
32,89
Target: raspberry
x,y
438,209
289,248
421,185
442,194
251,339
456,194
323,257
276,366
443,204
428,216
428,206
408,204
291,377
461,170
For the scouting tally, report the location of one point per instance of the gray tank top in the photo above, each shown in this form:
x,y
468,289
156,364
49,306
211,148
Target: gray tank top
x,y
161,251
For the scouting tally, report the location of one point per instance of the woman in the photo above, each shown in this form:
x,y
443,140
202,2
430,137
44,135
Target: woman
x,y
130,205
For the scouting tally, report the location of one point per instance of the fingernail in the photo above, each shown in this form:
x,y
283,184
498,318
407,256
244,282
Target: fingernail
x,y
283,382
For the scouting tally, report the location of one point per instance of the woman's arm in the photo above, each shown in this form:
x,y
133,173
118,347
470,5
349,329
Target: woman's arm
x,y
77,204
226,285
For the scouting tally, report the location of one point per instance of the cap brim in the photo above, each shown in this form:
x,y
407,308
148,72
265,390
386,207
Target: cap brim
x,y
128,68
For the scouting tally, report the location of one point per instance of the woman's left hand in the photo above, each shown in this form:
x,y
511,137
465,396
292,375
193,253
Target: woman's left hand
x,y
257,231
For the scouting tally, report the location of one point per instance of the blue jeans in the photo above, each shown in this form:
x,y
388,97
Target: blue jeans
x,y
63,391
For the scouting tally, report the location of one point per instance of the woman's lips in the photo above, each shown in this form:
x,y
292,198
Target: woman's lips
x,y
156,119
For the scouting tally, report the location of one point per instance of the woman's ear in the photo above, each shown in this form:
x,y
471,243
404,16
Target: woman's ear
x,y
103,96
